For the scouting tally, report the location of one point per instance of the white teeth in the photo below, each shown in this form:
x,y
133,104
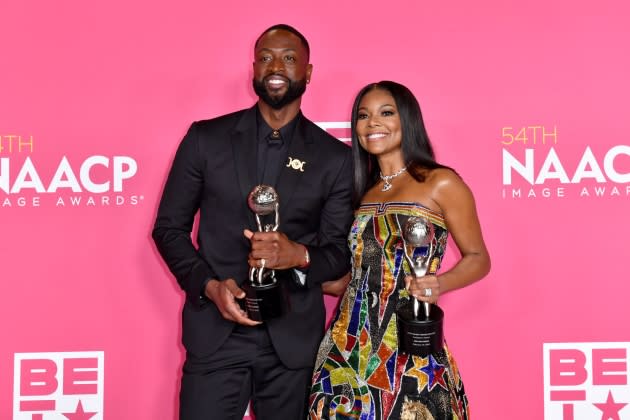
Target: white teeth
x,y
376,135
276,81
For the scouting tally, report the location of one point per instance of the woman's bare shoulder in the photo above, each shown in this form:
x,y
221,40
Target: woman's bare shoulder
x,y
446,186
443,177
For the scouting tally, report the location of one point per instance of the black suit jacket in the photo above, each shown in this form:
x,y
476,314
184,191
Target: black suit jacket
x,y
213,172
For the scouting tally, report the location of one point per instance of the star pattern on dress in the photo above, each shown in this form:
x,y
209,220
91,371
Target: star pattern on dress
x,y
417,371
610,408
79,413
435,372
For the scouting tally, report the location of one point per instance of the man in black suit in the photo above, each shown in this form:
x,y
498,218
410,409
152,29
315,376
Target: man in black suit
x,y
230,358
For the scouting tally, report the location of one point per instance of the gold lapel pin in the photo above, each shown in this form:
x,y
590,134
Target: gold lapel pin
x,y
296,164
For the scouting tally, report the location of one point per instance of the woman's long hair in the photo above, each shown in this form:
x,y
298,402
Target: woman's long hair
x,y
416,147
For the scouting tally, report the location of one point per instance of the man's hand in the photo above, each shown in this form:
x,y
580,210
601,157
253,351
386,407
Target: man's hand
x,y
277,251
224,294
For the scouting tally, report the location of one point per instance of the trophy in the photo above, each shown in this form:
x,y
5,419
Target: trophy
x,y
265,298
419,332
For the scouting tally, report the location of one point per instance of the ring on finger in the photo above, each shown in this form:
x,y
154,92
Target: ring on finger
x,y
428,292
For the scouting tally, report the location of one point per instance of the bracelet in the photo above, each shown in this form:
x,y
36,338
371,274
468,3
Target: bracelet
x,y
307,258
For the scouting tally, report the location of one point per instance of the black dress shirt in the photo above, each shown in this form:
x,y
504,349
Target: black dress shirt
x,y
273,148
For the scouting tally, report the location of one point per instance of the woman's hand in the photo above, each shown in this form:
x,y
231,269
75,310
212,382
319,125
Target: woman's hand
x,y
425,288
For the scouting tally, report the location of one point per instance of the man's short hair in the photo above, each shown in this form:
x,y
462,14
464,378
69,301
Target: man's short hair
x,y
288,28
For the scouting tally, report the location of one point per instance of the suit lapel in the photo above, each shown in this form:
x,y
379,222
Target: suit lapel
x,y
300,154
243,139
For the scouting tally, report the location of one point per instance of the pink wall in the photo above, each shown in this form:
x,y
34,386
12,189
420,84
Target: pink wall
x,y
121,81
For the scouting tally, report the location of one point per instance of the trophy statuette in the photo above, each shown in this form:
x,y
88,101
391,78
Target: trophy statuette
x,y
265,297
419,332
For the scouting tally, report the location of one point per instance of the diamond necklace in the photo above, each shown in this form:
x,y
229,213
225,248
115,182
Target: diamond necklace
x,y
387,185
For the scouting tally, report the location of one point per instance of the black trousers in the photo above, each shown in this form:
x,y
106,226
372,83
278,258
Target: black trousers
x,y
220,386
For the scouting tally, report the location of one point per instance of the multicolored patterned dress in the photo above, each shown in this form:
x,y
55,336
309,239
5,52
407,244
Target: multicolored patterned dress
x,y
359,373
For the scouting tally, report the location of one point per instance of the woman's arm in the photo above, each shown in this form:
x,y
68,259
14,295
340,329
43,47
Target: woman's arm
x,y
456,200
336,287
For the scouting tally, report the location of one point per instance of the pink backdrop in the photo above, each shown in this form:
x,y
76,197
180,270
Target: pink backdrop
x,y
528,100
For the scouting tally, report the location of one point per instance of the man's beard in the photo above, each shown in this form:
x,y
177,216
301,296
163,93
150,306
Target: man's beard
x,y
295,89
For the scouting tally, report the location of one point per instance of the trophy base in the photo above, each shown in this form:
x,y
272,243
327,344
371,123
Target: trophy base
x,y
420,336
263,302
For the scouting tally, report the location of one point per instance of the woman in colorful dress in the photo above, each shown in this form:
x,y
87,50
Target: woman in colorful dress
x,y
360,372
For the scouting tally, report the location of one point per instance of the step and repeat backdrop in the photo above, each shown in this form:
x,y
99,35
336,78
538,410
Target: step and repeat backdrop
x,y
527,100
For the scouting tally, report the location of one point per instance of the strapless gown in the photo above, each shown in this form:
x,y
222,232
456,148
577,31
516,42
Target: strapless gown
x,y
359,373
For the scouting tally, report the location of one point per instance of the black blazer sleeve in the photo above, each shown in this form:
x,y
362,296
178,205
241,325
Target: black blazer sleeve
x,y
330,257
172,230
